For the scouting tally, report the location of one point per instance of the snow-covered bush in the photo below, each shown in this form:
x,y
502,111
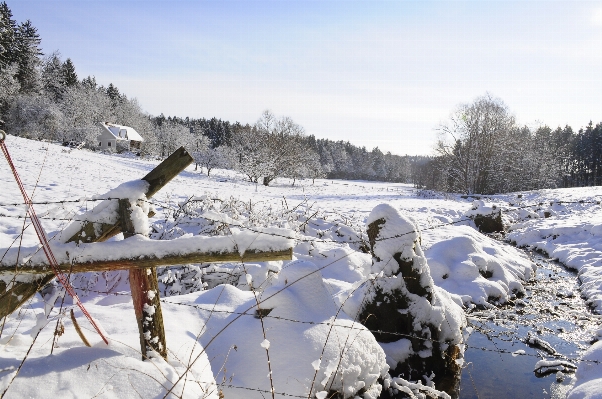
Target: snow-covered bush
x,y
211,215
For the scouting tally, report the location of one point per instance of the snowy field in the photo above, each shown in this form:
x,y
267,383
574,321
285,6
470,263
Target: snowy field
x,y
312,337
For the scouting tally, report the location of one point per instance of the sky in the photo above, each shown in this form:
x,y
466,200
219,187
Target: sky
x,y
376,73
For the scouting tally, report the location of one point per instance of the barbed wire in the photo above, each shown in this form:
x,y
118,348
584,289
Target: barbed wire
x,y
299,239
262,391
359,327
163,205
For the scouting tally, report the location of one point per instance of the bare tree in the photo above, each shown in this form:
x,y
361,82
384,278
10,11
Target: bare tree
x,y
470,141
272,147
210,158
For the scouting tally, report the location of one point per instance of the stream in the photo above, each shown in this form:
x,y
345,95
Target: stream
x,y
498,362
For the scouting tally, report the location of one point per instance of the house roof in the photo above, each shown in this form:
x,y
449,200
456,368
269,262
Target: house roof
x,y
122,132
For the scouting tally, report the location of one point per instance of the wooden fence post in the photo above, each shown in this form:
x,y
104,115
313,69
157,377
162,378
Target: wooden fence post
x,y
15,294
145,295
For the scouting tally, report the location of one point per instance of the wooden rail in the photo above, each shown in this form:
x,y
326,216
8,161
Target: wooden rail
x,y
154,262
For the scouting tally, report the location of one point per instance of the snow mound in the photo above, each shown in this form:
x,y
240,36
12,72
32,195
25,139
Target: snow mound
x,y
311,342
476,268
113,371
589,375
82,372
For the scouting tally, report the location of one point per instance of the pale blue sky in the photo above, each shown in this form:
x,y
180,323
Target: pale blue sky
x,y
375,73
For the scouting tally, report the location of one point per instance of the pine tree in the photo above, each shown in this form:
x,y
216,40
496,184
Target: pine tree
x,y
28,52
69,74
114,95
90,82
53,81
8,29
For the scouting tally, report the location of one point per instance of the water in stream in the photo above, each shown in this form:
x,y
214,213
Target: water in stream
x,y
499,364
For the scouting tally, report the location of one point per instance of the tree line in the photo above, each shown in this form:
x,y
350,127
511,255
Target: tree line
x,y
279,147
481,149
42,98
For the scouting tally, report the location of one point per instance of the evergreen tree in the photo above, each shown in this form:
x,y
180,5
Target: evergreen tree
x,y
8,29
114,95
53,81
69,74
90,82
28,53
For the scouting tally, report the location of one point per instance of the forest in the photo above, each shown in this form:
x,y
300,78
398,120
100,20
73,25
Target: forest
x,y
481,149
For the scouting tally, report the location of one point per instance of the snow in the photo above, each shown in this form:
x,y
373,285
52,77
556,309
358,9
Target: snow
x,y
588,375
322,286
459,265
303,325
574,237
140,246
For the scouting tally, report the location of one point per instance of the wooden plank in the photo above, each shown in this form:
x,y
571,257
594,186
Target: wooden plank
x,y
147,306
167,170
19,292
154,262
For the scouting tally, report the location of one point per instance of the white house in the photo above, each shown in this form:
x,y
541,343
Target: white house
x,y
115,136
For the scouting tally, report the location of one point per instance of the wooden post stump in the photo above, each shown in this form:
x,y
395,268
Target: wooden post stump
x,y
145,295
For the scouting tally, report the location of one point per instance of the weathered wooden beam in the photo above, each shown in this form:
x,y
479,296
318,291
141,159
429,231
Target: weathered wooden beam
x,y
147,306
144,288
167,170
154,262
19,292
156,178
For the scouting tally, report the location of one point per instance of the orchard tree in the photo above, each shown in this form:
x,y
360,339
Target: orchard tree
x,y
251,155
171,136
284,147
211,158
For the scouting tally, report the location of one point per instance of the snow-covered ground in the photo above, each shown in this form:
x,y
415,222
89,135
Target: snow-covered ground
x,y
312,337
